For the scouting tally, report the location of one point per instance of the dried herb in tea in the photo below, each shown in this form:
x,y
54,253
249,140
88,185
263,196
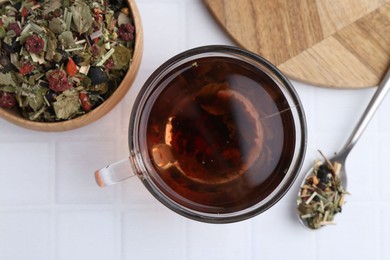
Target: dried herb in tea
x,y
322,195
60,59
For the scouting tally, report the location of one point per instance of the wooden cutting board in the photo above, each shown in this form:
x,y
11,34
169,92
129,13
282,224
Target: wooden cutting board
x,y
331,43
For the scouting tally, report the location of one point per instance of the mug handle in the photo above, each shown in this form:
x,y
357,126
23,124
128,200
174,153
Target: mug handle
x,y
114,173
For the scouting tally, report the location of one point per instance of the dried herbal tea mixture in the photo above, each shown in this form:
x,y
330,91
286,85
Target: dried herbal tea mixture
x,y
60,59
322,195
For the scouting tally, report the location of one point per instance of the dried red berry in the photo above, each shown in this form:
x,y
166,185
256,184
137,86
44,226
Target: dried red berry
x,y
109,64
95,50
35,44
7,100
97,14
85,101
71,68
26,68
24,12
15,27
58,81
126,32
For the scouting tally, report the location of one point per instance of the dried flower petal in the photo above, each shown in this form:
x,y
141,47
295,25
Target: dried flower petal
x,y
35,44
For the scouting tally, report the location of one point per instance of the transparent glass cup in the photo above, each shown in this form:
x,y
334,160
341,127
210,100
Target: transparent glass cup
x,y
217,134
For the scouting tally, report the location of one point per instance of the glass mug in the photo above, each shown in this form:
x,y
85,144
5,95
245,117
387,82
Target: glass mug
x,y
217,134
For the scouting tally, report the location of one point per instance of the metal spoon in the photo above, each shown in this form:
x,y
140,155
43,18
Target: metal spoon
x,y
342,155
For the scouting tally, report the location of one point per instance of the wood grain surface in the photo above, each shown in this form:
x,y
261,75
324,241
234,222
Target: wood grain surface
x,y
330,43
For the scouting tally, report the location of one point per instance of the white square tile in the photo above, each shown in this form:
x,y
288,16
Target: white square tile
x,y
219,241
153,233
277,234
356,232
107,126
337,111
9,129
75,174
362,170
128,102
329,144
306,94
28,169
385,233
163,31
135,193
382,175
24,235
86,235
202,28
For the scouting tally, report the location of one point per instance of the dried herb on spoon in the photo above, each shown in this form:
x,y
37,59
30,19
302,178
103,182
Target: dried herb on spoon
x,y
322,195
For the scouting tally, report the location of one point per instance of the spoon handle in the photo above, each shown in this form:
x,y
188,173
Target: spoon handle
x,y
376,100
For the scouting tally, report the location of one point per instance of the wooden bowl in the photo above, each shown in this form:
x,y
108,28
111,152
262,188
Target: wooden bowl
x,y
13,116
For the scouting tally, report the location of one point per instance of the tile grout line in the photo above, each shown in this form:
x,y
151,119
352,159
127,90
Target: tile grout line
x,y
53,236
379,232
118,254
186,252
377,196
252,239
117,210
118,226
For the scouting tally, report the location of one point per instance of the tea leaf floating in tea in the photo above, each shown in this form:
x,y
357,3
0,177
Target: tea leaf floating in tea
x,y
322,195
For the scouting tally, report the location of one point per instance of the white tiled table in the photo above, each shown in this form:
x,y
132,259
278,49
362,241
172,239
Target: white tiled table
x,y
50,207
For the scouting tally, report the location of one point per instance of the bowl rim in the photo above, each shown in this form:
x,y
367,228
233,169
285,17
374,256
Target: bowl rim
x,y
15,118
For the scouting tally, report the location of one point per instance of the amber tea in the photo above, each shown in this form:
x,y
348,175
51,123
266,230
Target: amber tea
x,y
219,133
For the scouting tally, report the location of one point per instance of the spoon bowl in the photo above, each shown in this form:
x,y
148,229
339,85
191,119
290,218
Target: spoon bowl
x,y
341,156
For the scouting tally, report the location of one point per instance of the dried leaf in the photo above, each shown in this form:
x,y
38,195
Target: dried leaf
x,y
35,98
2,32
121,57
51,46
67,104
7,79
67,39
57,25
9,89
51,6
82,18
